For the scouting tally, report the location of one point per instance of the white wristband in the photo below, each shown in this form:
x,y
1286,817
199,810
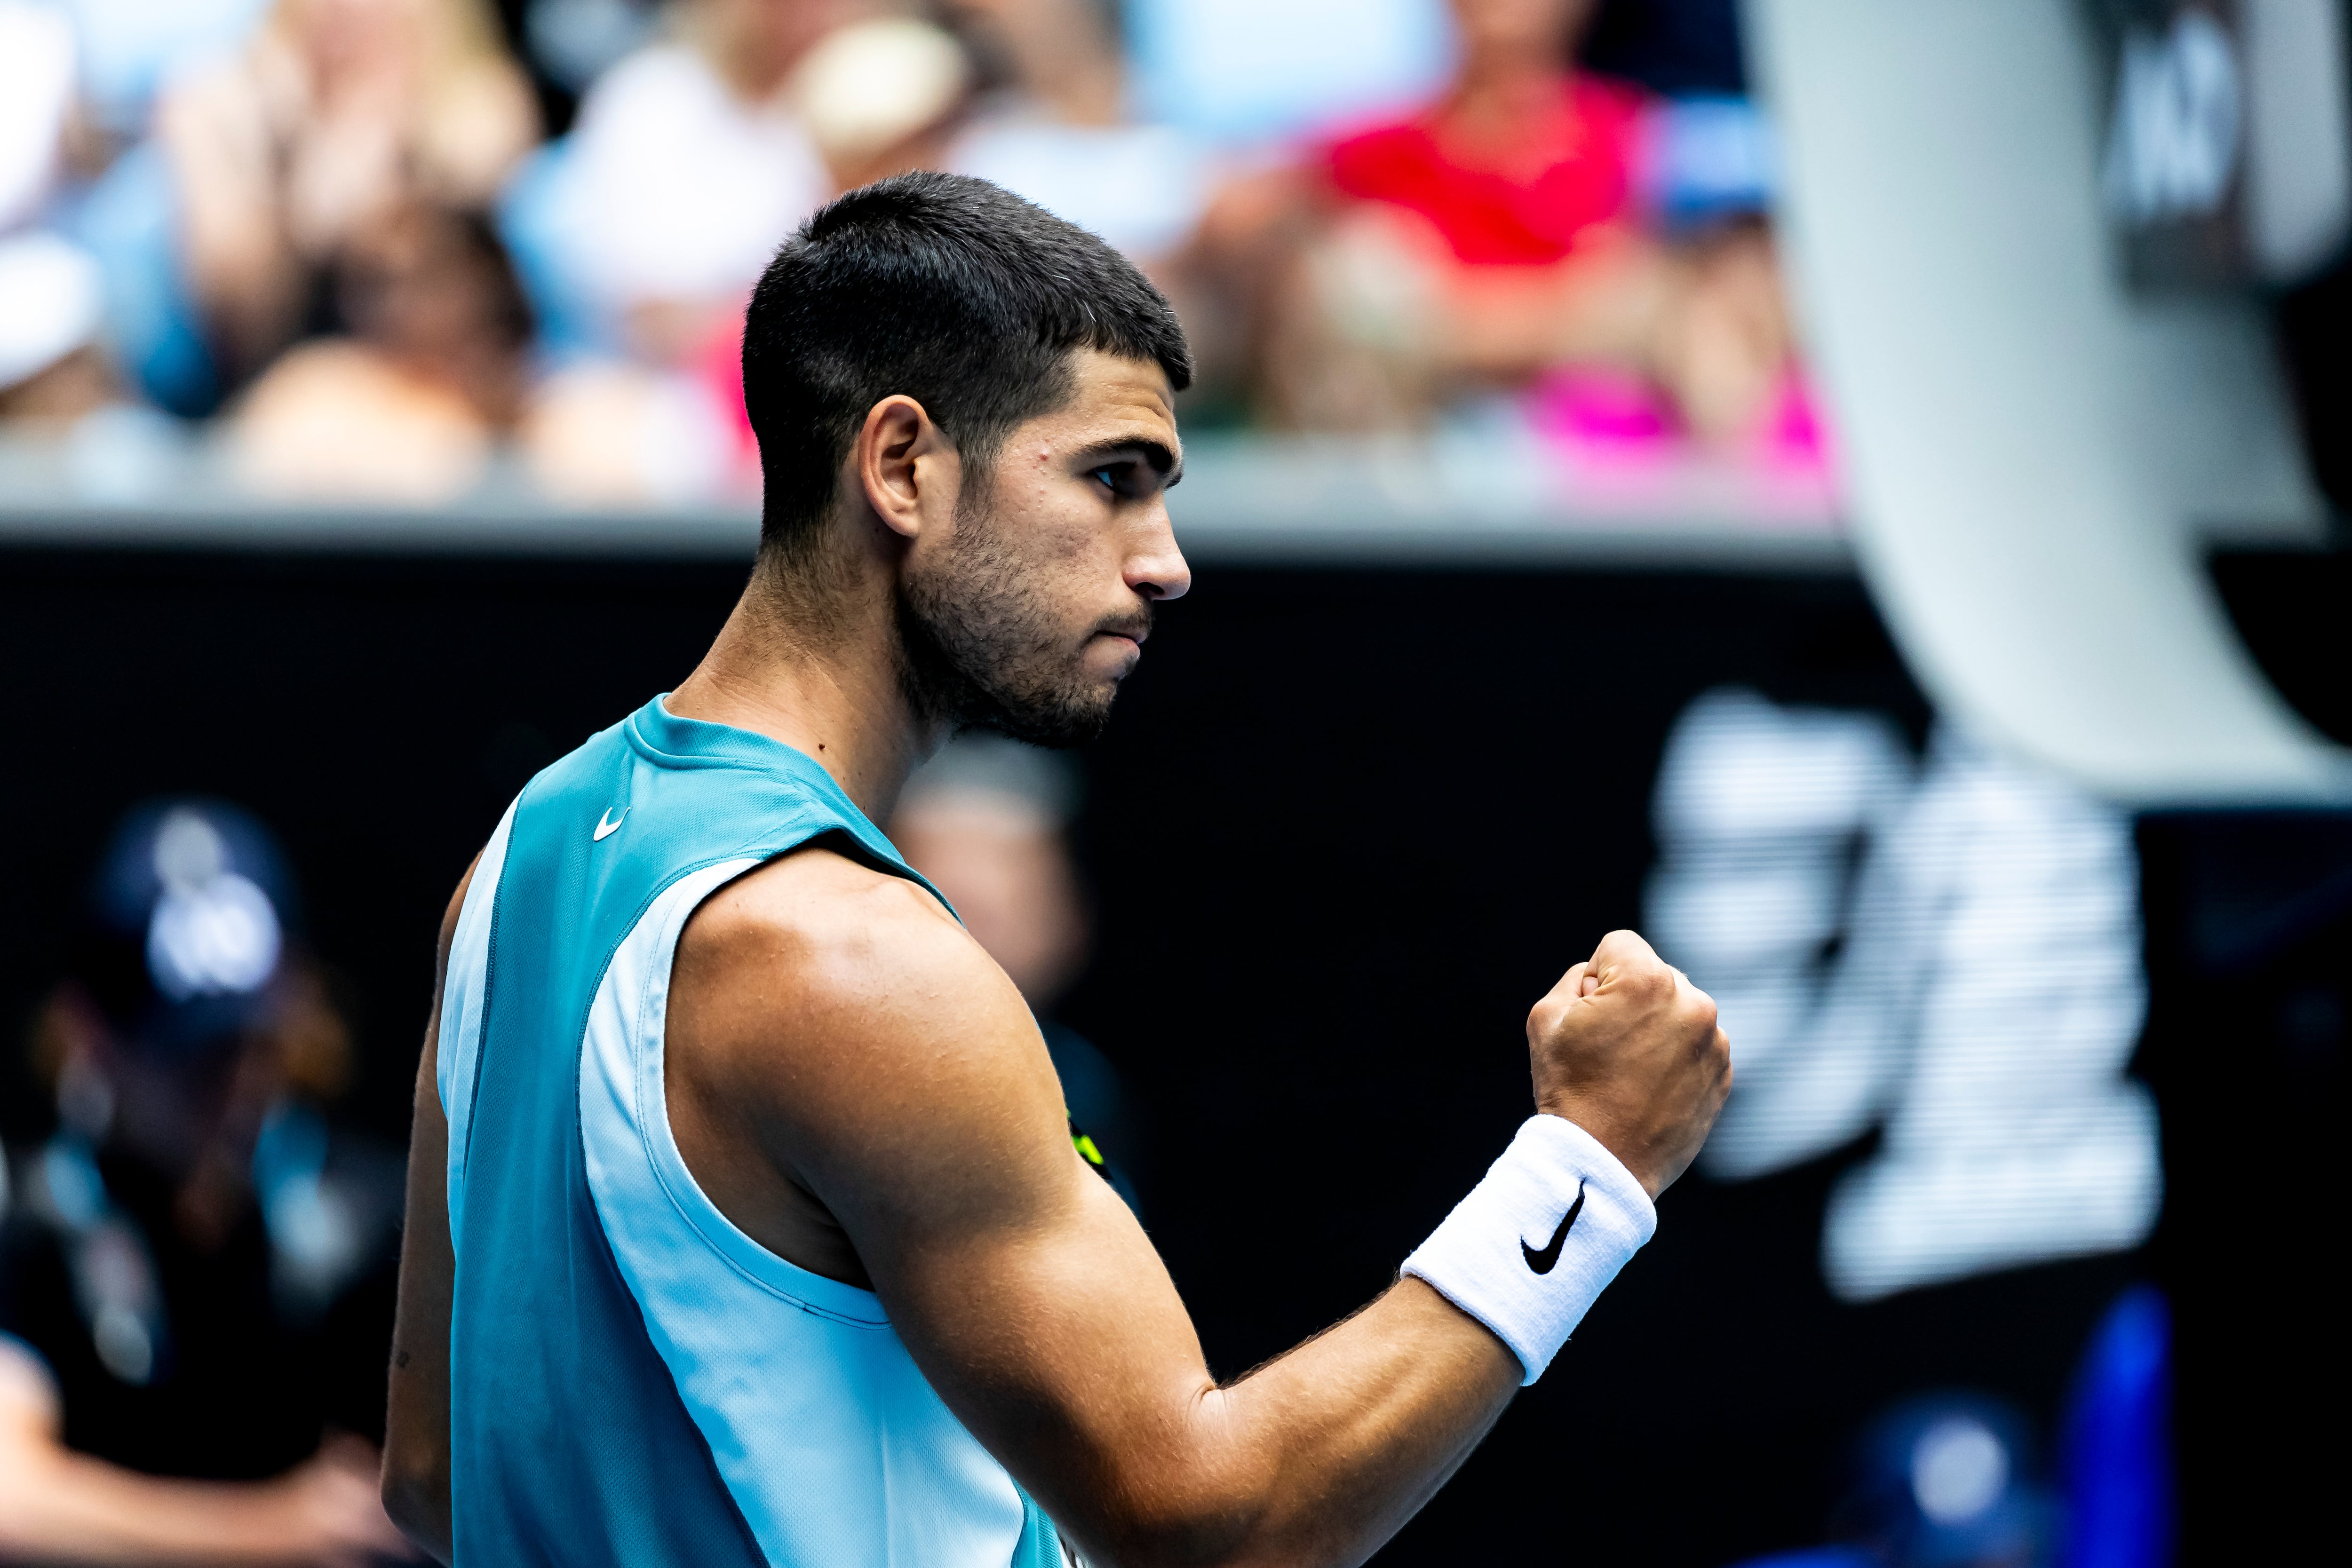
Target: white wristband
x,y
1535,1243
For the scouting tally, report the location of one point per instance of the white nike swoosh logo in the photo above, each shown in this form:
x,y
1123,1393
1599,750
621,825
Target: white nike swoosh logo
x,y
607,824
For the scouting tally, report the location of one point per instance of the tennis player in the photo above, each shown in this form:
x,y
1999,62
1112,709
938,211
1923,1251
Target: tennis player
x,y
745,1225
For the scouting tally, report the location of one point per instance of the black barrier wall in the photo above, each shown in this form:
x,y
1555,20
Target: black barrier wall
x,y
1346,828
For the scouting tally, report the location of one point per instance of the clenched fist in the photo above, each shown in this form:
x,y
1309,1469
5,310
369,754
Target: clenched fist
x,y
1627,1047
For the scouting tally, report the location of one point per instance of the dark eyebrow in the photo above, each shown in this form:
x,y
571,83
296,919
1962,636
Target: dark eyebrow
x,y
1161,459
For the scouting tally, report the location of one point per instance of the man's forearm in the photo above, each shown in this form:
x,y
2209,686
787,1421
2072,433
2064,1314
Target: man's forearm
x,y
1358,1428
62,1507
1316,1458
1319,1457
416,1494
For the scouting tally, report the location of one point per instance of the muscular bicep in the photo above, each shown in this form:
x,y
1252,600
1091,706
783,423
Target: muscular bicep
x,y
1021,1285
895,1074
1058,1337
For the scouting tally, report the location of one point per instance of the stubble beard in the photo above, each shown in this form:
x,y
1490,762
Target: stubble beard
x,y
982,650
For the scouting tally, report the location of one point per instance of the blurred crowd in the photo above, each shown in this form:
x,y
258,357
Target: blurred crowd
x,y
384,242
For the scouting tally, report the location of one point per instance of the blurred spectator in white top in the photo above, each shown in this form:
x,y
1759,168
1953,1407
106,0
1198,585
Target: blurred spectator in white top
x,y
1057,126
644,231
37,94
1253,74
50,371
337,114
640,234
107,189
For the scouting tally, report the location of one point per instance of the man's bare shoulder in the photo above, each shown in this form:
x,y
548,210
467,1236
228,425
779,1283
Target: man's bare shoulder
x,y
837,970
837,926
838,1019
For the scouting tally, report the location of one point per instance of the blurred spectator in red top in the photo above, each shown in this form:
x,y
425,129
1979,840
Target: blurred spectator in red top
x,y
1496,234
1513,175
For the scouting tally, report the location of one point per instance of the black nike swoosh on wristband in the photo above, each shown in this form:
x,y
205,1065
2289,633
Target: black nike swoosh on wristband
x,y
1541,1263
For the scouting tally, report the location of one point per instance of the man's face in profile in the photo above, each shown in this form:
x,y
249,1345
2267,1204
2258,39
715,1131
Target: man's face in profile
x,y
1027,618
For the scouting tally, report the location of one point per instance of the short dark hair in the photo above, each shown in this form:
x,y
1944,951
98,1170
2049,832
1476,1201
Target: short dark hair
x,y
947,288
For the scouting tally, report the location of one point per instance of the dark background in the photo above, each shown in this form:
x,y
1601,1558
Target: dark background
x,y
1346,828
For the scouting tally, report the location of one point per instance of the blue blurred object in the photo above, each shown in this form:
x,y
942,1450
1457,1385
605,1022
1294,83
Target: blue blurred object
x,y
1236,72
534,223
185,926
1944,1481
127,50
577,41
1707,158
2117,1440
130,221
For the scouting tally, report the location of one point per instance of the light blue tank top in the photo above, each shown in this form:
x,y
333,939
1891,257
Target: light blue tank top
x,y
632,1380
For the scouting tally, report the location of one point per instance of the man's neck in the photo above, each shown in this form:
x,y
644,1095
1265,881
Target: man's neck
x,y
1495,95
833,693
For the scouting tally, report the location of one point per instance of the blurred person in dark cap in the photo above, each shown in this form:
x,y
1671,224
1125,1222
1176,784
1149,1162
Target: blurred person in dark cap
x,y
194,1270
987,821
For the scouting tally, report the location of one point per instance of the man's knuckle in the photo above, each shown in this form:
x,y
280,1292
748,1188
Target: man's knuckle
x,y
1647,980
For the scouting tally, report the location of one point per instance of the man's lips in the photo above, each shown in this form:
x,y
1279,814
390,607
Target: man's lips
x,y
1127,645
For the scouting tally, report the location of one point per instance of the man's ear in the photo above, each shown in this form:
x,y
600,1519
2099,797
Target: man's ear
x,y
905,466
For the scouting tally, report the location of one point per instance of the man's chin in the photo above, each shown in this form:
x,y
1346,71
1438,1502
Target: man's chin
x,y
1060,722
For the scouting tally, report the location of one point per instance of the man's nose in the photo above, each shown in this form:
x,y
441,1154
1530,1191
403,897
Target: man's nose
x,y
1156,568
